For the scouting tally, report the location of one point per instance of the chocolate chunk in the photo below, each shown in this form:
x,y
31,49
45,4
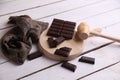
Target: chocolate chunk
x,y
69,66
34,55
59,40
51,43
61,28
87,59
64,51
61,53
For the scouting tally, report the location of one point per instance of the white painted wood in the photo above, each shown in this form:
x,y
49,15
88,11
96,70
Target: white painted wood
x,y
111,73
50,9
42,62
19,5
30,66
90,14
103,57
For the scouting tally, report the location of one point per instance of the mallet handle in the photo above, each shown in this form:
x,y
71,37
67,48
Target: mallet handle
x,y
105,36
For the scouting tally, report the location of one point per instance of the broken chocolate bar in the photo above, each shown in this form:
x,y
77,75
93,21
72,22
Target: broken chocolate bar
x,y
69,66
61,53
34,55
59,40
87,60
61,28
51,43
64,51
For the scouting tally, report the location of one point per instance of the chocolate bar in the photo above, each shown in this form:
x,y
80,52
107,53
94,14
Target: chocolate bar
x,y
59,40
69,66
61,53
87,60
61,28
51,43
64,51
34,55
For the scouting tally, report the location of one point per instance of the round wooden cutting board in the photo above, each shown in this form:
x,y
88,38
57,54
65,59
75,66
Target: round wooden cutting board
x,y
76,45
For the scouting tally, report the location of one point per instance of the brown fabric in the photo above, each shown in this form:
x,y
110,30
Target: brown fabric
x,y
16,43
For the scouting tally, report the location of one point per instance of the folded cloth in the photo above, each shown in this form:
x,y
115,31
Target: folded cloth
x,y
17,42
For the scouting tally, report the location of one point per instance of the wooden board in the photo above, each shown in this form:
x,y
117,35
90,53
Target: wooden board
x,y
77,47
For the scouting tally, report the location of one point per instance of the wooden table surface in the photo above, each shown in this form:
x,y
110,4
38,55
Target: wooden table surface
x,y
97,13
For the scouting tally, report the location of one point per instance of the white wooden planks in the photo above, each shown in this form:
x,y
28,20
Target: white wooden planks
x,y
104,57
50,10
94,12
22,5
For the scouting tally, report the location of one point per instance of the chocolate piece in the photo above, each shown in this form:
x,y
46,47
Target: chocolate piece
x,y
61,28
51,43
34,55
69,66
59,40
61,53
64,51
16,43
87,60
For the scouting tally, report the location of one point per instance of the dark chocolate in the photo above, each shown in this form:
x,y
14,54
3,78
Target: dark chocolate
x,y
34,55
61,53
64,51
59,40
61,28
51,43
69,66
87,60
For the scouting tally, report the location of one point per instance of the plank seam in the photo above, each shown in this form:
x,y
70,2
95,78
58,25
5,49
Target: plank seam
x,y
7,1
31,8
71,9
98,70
39,70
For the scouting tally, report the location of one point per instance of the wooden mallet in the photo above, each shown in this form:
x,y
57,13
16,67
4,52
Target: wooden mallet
x,y
83,32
